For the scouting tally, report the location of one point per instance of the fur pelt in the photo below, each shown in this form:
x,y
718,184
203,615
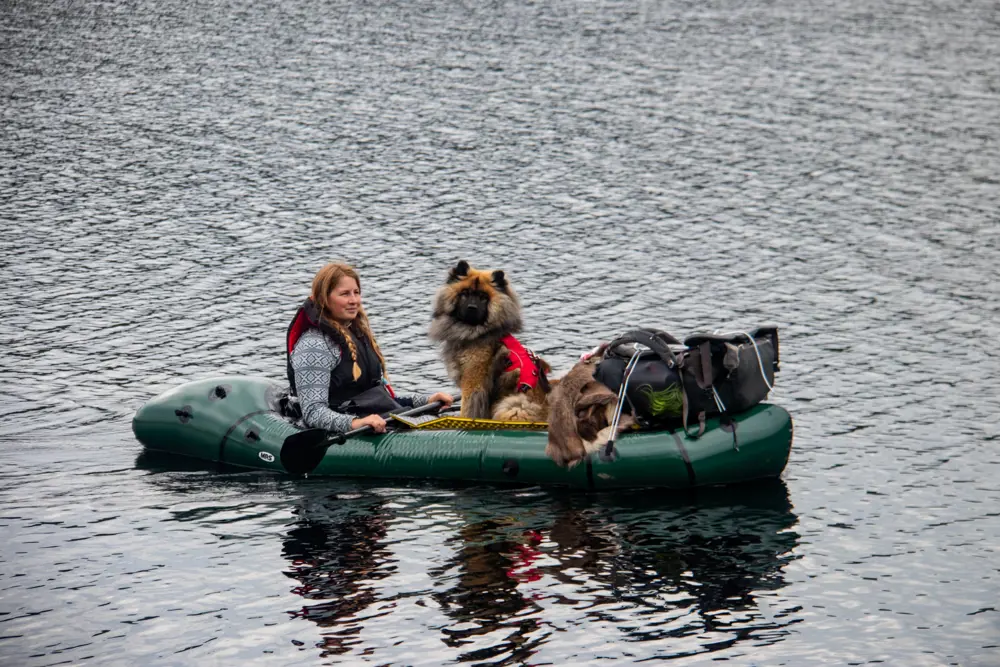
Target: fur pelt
x,y
473,310
581,410
522,408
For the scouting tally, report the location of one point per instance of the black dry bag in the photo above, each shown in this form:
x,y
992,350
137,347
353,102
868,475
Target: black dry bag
x,y
710,374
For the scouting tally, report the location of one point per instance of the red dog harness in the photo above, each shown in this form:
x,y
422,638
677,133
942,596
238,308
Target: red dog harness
x,y
524,361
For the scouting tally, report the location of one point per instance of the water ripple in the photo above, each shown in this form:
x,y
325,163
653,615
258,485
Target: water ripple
x,y
171,175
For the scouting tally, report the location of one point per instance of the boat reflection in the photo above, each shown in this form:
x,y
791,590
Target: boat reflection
x,y
336,557
507,566
664,567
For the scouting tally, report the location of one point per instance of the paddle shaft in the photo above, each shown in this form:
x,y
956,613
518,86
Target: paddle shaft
x,y
341,438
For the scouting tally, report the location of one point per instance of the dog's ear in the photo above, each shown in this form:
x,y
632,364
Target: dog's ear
x,y
500,280
460,271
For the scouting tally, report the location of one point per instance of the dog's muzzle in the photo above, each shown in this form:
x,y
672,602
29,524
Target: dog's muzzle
x,y
472,309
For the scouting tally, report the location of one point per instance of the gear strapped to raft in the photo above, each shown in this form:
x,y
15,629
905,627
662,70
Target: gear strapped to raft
x,y
524,361
710,374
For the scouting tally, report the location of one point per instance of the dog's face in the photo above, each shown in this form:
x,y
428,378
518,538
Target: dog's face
x,y
473,303
474,291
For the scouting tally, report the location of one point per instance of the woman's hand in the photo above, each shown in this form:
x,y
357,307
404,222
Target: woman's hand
x,y
376,422
446,399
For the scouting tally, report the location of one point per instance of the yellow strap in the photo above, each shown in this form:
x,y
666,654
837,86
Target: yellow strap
x,y
447,423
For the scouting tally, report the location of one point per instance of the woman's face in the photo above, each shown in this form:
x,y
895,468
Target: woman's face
x,y
344,300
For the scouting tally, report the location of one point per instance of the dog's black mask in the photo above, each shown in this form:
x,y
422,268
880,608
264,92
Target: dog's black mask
x,y
472,308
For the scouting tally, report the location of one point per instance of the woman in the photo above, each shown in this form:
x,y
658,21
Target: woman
x,y
335,367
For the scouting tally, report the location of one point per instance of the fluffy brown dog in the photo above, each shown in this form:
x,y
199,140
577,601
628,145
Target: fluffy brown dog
x,y
474,313
580,414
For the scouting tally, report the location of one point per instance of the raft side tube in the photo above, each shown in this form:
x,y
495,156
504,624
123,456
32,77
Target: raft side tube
x,y
195,418
234,420
760,448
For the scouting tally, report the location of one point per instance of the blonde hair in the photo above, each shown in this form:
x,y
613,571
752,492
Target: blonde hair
x,y
323,283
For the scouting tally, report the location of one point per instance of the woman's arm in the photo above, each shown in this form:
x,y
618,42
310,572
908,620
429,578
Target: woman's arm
x,y
410,400
312,360
417,400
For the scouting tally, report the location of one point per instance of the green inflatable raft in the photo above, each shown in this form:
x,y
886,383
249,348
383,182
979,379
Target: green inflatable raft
x,y
236,421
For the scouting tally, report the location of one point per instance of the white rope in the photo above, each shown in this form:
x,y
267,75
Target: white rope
x,y
760,362
718,400
629,367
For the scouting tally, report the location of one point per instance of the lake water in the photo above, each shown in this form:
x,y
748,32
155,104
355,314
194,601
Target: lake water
x,y
173,173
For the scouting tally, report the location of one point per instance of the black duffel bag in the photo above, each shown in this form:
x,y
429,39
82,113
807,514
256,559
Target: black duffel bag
x,y
710,374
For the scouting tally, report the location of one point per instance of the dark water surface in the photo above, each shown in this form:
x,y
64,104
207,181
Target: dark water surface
x,y
172,173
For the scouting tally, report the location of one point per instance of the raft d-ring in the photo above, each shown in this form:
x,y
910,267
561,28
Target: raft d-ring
x,y
184,414
511,467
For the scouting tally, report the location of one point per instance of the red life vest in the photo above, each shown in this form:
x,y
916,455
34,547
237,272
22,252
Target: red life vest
x,y
342,383
524,361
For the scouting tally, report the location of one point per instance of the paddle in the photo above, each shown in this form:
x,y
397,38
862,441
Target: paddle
x,y
301,452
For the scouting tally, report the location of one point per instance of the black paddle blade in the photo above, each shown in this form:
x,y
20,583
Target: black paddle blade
x,y
302,452
307,439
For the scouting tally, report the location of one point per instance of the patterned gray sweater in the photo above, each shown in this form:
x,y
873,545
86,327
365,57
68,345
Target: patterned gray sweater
x,y
313,358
